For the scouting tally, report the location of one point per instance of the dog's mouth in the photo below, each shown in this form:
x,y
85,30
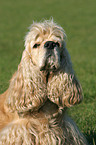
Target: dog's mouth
x,y
48,68
51,63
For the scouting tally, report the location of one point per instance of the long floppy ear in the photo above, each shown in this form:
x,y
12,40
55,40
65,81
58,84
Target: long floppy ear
x,y
27,90
63,88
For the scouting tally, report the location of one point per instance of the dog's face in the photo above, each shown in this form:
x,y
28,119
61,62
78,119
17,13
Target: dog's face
x,y
45,71
45,42
46,53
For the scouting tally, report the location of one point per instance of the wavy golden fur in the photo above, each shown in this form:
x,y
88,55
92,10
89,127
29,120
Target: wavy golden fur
x,y
33,109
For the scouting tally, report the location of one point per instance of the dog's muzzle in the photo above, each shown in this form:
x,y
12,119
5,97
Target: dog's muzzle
x,y
51,45
52,58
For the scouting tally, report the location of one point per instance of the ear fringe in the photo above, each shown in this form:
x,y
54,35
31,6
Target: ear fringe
x,y
64,89
77,95
27,89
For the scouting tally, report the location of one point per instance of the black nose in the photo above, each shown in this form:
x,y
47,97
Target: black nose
x,y
49,45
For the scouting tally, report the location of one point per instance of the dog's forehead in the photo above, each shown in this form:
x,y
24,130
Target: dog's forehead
x,y
41,36
40,32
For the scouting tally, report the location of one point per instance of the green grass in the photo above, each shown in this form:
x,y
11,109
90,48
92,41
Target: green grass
x,y
78,18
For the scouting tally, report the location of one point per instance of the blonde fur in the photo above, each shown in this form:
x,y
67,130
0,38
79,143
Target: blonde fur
x,y
33,109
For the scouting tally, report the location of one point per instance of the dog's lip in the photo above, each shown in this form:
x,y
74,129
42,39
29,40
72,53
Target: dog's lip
x,y
48,69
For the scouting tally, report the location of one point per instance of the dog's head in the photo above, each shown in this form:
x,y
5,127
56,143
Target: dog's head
x,y
44,52
45,42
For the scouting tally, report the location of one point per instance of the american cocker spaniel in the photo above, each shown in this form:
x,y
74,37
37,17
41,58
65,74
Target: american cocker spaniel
x,y
33,109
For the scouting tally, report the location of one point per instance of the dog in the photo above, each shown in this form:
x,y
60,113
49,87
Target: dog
x,y
33,108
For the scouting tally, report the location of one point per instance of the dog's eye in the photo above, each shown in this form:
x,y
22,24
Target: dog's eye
x,y
36,45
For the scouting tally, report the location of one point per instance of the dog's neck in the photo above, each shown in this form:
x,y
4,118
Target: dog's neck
x,y
49,111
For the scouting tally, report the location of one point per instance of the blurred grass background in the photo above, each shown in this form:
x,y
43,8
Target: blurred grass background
x,y
78,18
